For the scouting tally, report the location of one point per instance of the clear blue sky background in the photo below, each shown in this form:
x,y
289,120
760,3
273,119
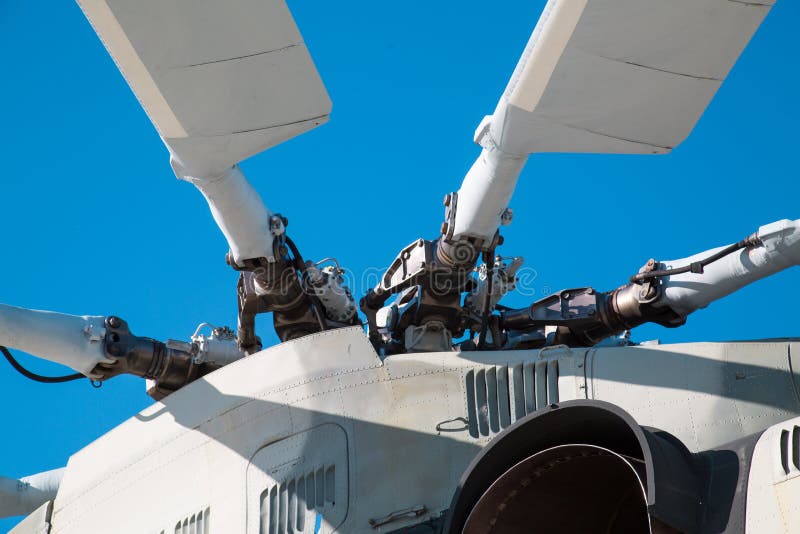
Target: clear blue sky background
x,y
95,222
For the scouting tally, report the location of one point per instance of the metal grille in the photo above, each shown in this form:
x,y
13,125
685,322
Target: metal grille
x,y
194,524
499,395
290,505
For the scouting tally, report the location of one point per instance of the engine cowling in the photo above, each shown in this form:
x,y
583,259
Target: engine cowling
x,y
587,466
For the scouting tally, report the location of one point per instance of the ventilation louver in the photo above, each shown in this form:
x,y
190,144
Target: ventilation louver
x,y
299,484
197,523
499,395
790,449
287,507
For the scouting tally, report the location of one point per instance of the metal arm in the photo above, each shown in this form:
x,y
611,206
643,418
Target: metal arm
x,y
663,292
104,347
271,280
23,496
779,248
483,198
440,269
71,340
249,227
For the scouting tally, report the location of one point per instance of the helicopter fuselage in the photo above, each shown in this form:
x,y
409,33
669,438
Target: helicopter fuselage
x,y
320,434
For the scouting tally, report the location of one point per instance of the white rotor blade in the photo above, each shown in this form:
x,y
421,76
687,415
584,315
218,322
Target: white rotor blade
x,y
220,81
621,76
607,76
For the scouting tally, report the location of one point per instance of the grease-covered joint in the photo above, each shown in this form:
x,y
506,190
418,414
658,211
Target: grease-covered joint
x,y
584,317
428,289
456,254
170,368
278,284
462,252
633,305
275,289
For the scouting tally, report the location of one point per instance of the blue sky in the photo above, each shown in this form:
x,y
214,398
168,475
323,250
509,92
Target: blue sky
x,y
96,223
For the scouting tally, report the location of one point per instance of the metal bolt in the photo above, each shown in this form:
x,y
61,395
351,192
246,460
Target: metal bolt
x,y
447,199
114,322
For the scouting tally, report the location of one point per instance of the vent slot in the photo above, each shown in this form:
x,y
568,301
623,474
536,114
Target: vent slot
x,y
482,399
497,396
285,506
517,392
491,399
299,484
552,382
785,451
796,447
503,397
197,523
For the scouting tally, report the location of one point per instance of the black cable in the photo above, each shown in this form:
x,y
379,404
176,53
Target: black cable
x,y
486,311
295,254
33,376
300,265
698,266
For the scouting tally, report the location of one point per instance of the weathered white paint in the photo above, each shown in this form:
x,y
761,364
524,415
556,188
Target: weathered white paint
x,y
193,450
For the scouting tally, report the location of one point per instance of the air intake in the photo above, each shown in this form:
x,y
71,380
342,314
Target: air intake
x,y
299,484
497,396
197,523
285,507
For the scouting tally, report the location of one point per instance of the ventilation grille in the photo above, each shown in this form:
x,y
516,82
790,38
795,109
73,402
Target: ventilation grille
x,y
497,396
299,484
790,449
296,505
194,524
